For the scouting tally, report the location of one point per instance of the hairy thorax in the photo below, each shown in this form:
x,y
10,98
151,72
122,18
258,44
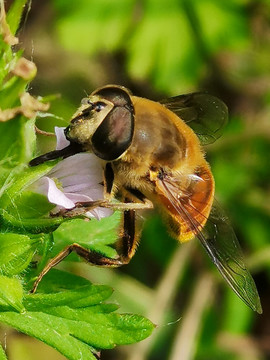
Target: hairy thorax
x,y
161,141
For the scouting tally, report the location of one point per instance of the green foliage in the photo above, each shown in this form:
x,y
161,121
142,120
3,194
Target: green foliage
x,y
11,293
68,313
16,252
165,41
76,24
93,235
154,47
75,320
14,15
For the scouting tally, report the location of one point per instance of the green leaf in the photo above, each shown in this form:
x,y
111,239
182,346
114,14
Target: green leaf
x,y
31,205
22,180
16,252
17,146
6,176
11,91
11,192
103,331
76,321
93,234
11,293
71,289
51,330
14,14
57,281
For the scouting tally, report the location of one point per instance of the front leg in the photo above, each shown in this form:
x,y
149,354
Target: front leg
x,y
133,199
82,209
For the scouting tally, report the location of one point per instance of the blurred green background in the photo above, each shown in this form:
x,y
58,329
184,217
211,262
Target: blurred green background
x,y
161,48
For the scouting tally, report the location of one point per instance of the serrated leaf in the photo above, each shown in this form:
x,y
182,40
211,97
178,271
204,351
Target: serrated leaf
x,y
51,330
14,14
103,331
16,252
77,321
60,287
57,280
11,293
87,295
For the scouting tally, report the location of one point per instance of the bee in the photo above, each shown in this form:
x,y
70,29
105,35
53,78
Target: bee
x,y
152,156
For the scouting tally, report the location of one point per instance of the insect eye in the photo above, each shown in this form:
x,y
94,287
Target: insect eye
x,y
99,106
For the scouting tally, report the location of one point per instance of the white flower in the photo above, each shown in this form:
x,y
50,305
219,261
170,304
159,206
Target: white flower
x,y
76,179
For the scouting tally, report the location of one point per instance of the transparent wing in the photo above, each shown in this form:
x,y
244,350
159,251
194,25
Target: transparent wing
x,y
220,242
204,113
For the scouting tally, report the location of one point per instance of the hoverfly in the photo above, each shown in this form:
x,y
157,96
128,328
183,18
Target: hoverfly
x,y
152,158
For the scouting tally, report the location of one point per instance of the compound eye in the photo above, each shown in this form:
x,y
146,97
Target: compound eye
x,y
114,135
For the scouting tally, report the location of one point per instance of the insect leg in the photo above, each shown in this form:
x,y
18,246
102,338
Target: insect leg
x,y
126,247
108,180
129,240
134,200
134,194
82,208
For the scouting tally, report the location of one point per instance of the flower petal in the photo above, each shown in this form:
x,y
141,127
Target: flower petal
x,y
78,198
80,177
83,164
61,141
99,213
47,186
